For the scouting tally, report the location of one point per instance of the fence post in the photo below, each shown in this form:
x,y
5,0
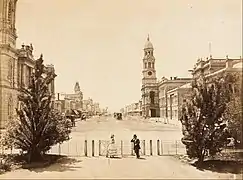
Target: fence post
x,y
162,148
93,148
176,147
85,148
158,147
151,148
68,147
121,148
132,148
99,147
59,149
144,149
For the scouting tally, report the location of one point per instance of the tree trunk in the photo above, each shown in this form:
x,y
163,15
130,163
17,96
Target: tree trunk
x,y
34,155
201,157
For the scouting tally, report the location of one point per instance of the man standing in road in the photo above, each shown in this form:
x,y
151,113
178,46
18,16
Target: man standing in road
x,y
136,145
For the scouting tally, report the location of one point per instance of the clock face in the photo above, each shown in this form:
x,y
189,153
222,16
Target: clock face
x,y
149,73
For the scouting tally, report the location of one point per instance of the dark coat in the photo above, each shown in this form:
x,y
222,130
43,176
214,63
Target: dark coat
x,y
136,143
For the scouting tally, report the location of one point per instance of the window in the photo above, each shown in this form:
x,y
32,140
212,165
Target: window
x,y
145,65
10,107
152,65
10,71
152,95
149,64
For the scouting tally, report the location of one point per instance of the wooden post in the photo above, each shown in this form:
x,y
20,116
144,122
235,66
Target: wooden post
x,y
121,148
59,149
132,148
93,148
85,148
162,147
99,147
176,147
144,149
158,148
151,148
68,148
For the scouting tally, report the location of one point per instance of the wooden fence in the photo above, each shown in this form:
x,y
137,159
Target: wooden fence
x,y
94,148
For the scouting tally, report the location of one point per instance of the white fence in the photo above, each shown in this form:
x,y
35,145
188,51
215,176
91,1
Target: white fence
x,y
96,148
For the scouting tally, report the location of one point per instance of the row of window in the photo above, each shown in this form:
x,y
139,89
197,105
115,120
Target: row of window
x,y
148,65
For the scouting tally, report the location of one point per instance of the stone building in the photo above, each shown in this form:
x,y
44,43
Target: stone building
x,y
175,99
215,66
150,90
76,99
134,109
16,65
166,85
66,102
154,93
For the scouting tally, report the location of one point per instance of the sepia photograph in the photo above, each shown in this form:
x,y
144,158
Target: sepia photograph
x,y
121,89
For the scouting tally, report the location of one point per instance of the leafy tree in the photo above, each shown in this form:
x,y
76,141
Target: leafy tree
x,y
204,128
233,112
38,126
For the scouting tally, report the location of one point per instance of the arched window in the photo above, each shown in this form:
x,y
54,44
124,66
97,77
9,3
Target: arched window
x,y
10,107
152,95
145,65
149,64
152,65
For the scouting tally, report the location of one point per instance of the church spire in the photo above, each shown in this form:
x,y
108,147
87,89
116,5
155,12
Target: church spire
x,y
148,38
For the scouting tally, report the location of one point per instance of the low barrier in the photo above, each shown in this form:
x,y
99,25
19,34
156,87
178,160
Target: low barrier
x,y
94,148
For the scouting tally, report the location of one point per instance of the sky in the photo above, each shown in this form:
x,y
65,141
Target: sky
x,y
99,43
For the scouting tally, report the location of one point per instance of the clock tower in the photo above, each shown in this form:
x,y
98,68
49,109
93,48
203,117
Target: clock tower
x,y
150,99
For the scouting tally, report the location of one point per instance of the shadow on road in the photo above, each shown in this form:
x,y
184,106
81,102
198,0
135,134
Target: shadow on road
x,y
221,166
61,165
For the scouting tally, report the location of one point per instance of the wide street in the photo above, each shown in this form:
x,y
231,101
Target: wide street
x,y
150,167
101,128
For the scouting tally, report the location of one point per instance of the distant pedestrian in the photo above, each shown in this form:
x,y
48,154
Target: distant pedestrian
x,y
73,121
136,145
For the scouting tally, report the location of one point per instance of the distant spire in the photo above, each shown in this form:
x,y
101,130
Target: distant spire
x,y
148,38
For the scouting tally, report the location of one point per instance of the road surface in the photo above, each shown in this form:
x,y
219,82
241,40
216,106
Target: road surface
x,y
150,167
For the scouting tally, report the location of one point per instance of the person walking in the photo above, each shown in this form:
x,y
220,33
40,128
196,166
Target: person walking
x,y
136,145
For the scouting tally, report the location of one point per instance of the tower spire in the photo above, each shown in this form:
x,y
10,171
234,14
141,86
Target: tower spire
x,y
148,38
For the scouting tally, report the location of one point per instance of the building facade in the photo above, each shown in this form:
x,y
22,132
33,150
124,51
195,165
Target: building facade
x,y
134,109
16,65
166,85
175,99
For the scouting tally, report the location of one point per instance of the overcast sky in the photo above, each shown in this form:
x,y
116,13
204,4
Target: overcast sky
x,y
99,43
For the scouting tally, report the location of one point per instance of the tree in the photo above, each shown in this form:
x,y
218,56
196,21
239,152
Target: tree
x,y
38,126
204,129
233,112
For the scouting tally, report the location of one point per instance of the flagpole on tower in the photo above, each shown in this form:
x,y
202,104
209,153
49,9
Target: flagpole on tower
x,y
210,49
